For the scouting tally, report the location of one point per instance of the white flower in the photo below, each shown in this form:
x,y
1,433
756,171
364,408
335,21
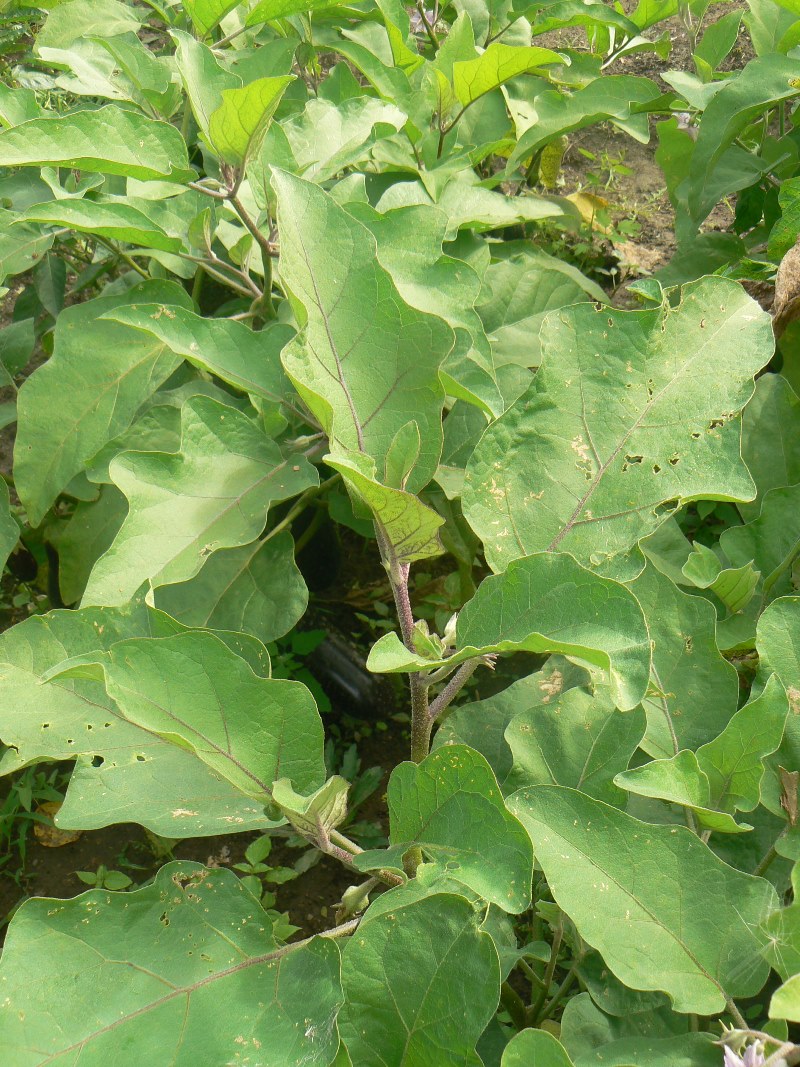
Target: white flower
x,y
753,1057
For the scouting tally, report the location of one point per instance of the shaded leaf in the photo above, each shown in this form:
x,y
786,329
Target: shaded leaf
x,y
770,438
120,222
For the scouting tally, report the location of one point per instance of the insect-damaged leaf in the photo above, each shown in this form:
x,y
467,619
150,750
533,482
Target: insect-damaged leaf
x,y
364,362
621,421
187,968
662,909
191,689
123,773
545,603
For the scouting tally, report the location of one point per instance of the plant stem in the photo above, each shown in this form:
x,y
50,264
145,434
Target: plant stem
x,y
453,688
261,239
428,28
735,1014
514,1005
563,989
197,286
300,505
766,861
534,1012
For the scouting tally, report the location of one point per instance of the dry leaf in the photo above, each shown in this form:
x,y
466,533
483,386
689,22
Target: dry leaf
x,y
47,833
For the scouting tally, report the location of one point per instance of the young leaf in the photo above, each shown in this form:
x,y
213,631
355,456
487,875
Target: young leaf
x,y
409,526
95,401
119,222
618,423
546,603
229,470
109,140
236,126
498,64
353,320
450,806
256,589
734,586
389,1021
317,814
197,941
689,927
771,541
192,689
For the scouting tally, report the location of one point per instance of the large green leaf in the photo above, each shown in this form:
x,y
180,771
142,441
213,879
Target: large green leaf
x,y
206,14
256,589
620,422
236,126
618,99
240,356
192,689
21,245
577,739
451,807
96,399
87,534
186,970
546,603
771,541
109,140
121,222
498,64
183,506
123,773
535,1048
421,982
770,438
68,22
365,362
694,691
662,909
765,81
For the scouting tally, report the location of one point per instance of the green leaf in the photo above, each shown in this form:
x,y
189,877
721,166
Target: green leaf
x,y
409,526
770,441
214,493
619,99
352,320
681,780
590,461
785,1003
482,724
546,603
202,76
779,646
694,690
197,941
193,690
9,528
206,14
236,126
89,531
576,739
535,1048
123,773
498,64
95,401
771,541
106,141
689,928
765,81
69,22
734,586
317,814
21,246
389,1021
451,807
117,221
237,355
256,589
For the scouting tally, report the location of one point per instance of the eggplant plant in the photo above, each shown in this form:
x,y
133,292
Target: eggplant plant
x,y
287,255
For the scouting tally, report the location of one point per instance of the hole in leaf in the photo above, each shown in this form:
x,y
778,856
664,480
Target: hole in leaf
x,y
656,469
140,758
45,725
695,436
634,459
674,461
97,761
164,919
